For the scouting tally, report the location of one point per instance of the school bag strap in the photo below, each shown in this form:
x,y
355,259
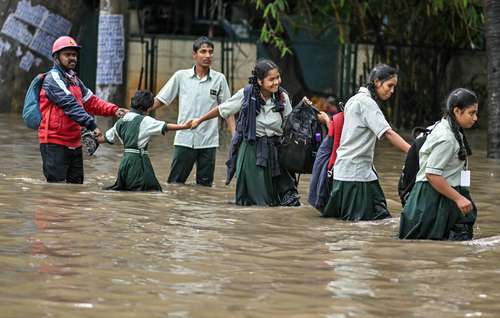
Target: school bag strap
x,y
411,166
31,108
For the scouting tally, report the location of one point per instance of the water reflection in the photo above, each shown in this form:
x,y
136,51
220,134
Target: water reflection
x,y
78,251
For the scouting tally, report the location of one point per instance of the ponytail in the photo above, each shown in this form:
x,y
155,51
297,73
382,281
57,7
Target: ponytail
x,y
460,98
259,72
381,72
252,80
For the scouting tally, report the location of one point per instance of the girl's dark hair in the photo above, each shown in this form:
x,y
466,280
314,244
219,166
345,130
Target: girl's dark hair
x,y
381,72
142,100
460,98
259,72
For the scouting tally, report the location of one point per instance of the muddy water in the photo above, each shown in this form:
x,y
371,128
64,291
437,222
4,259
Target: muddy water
x,y
78,251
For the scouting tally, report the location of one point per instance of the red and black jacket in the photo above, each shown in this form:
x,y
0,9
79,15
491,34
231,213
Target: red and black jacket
x,y
66,105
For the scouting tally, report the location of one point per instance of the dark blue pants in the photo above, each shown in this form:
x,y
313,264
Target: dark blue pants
x,y
62,164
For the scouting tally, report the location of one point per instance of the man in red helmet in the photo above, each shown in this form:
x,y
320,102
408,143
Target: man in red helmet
x,y
66,105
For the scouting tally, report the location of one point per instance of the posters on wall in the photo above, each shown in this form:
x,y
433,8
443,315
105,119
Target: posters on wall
x,y
36,28
110,50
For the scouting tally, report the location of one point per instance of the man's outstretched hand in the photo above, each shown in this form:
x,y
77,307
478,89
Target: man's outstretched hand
x,y
120,112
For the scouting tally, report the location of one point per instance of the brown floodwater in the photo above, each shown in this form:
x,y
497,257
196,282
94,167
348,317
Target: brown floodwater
x,y
79,251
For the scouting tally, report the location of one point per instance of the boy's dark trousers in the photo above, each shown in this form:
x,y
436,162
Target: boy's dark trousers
x,y
62,164
183,161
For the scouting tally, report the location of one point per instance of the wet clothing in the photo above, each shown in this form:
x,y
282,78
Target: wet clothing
x,y
335,131
269,118
134,130
254,153
62,164
322,176
430,215
183,161
321,179
427,213
254,121
66,105
256,184
439,155
364,122
356,193
356,201
196,97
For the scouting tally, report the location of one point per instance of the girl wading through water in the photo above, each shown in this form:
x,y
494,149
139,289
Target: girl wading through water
x,y
439,206
134,131
356,193
263,105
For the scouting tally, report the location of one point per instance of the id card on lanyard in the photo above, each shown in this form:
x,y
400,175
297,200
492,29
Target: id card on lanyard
x,y
465,175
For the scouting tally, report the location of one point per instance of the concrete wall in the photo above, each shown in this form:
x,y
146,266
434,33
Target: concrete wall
x,y
27,30
176,53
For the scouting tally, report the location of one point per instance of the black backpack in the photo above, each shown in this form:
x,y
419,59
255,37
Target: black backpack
x,y
412,164
302,134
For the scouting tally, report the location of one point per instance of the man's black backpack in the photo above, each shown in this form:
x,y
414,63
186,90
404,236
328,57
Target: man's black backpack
x,y
302,134
412,165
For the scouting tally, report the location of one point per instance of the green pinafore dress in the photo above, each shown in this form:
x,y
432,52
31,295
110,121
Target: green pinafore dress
x,y
135,172
428,214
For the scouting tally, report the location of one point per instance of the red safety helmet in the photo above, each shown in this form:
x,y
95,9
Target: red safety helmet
x,y
64,42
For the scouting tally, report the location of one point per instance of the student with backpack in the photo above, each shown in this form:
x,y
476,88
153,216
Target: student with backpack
x,y
65,106
254,156
439,206
322,174
134,130
356,193
411,165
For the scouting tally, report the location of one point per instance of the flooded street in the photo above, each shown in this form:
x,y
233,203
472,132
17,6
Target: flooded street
x,y
79,251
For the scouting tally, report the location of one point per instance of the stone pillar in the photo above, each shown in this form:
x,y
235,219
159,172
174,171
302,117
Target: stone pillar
x,y
111,51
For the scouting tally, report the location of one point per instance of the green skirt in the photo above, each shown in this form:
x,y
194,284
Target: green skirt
x,y
255,185
430,215
135,174
356,201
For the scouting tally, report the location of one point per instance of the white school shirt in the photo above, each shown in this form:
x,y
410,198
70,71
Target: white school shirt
x,y
268,122
364,122
196,97
148,127
439,155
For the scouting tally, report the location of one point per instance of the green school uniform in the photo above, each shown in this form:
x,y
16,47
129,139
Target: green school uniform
x,y
427,213
356,193
135,173
255,184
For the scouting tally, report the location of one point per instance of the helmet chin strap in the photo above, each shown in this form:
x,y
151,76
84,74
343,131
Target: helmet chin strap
x,y
55,57
57,61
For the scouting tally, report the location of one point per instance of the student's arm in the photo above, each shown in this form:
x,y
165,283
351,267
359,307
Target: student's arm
x,y
376,122
186,125
224,95
109,137
231,124
324,118
213,113
396,140
168,93
156,104
439,183
225,110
